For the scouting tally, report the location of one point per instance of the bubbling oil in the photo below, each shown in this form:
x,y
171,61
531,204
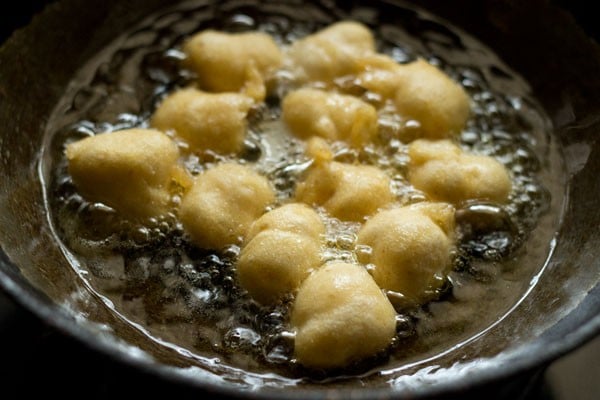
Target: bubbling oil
x,y
190,298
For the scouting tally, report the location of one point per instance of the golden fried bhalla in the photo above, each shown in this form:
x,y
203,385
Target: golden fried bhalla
x,y
312,112
420,92
409,248
223,203
134,171
446,173
205,121
347,192
233,62
341,316
331,53
282,248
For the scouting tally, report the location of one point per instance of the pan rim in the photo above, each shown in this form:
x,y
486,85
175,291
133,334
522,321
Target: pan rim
x,y
527,357
521,361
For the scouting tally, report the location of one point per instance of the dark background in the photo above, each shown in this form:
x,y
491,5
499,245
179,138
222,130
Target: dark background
x,y
36,358
19,14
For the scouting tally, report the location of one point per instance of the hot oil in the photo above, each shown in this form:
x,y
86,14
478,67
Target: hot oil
x,y
189,297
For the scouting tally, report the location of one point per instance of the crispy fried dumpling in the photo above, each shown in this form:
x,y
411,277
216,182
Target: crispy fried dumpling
x,y
282,248
332,52
205,121
446,173
420,92
347,192
410,248
222,204
332,116
132,171
340,316
233,62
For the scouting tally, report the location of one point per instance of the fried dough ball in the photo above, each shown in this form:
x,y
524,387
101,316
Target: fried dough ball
x,y
427,95
222,204
282,248
332,52
446,173
233,62
420,92
275,262
295,218
205,121
340,316
131,171
347,192
312,112
410,248
380,74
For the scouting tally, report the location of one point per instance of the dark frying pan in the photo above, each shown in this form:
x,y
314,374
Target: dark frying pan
x,y
536,39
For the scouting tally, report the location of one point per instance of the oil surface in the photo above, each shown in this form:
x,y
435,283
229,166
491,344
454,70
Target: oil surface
x,y
189,298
